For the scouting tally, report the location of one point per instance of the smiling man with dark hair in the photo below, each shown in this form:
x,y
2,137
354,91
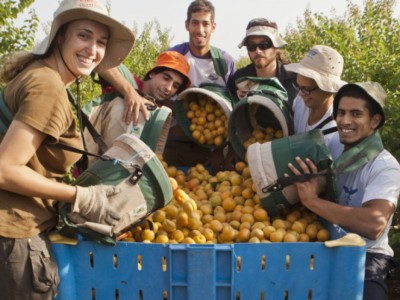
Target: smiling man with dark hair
x,y
367,181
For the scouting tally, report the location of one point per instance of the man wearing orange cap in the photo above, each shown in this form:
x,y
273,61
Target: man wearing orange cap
x,y
168,77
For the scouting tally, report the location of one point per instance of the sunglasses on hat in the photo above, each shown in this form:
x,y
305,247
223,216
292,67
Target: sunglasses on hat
x,y
261,46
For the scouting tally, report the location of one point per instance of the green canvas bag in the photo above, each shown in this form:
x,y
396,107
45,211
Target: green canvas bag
x,y
142,178
264,106
268,162
214,91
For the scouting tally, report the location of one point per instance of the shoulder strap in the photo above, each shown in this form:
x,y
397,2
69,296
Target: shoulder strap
x,y
219,62
323,123
86,123
5,115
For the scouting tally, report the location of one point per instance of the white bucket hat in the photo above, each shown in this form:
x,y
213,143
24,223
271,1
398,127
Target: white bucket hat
x,y
263,27
324,65
121,38
373,89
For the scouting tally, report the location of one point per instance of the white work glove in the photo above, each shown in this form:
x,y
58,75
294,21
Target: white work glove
x,y
92,203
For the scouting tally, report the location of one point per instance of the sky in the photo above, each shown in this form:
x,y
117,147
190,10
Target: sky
x,y
231,17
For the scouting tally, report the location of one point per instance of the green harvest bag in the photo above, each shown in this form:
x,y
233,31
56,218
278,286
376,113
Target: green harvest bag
x,y
264,106
142,178
269,162
213,91
106,118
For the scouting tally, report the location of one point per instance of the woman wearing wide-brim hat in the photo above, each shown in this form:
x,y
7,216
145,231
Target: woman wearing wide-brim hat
x,y
83,38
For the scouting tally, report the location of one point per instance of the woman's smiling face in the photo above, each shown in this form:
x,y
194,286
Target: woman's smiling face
x,y
83,46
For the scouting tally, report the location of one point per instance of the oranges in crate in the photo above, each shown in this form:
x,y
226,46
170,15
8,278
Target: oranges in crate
x,y
223,208
208,121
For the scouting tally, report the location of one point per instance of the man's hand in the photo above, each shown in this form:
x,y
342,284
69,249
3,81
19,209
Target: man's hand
x,y
134,103
308,190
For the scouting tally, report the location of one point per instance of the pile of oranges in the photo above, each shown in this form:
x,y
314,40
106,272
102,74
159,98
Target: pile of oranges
x,y
263,135
224,208
209,124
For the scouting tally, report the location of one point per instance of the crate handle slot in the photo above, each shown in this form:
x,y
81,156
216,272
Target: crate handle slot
x,y
164,263
115,261
312,262
263,262
139,263
238,263
287,262
91,259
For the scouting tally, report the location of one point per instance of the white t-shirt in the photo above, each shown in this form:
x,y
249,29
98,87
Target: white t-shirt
x,y
300,119
202,69
378,179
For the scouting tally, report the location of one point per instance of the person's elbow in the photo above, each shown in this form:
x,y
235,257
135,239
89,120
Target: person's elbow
x,y
376,228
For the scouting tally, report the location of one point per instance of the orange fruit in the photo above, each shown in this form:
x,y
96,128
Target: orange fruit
x,y
260,214
228,204
323,235
276,236
243,235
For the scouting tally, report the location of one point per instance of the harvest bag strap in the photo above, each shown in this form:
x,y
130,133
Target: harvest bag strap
x,y
86,123
323,123
219,62
5,115
360,154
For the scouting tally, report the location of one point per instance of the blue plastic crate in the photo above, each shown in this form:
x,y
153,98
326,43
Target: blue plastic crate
x,y
210,272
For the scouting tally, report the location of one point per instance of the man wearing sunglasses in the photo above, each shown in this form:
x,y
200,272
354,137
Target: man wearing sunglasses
x,y
318,79
263,43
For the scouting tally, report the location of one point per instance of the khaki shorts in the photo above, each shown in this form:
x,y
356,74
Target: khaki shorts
x,y
27,270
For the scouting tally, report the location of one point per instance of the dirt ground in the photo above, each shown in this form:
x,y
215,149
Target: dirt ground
x,y
394,285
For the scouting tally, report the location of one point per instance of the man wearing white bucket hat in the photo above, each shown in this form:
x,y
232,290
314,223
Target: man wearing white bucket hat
x,y
264,43
38,115
367,178
318,79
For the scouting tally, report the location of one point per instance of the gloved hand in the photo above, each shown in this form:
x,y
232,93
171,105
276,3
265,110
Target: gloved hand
x,y
92,203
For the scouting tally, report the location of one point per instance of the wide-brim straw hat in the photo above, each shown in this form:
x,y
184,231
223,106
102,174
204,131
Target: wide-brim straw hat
x,y
120,41
322,64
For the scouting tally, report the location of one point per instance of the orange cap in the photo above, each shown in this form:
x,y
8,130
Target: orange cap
x,y
175,61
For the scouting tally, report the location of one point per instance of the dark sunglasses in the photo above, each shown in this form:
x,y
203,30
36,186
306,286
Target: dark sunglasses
x,y
261,46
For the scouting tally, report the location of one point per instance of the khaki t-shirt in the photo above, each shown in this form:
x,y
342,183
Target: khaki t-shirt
x,y
38,98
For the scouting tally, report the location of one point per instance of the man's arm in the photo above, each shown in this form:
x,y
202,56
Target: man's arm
x,y
368,221
134,103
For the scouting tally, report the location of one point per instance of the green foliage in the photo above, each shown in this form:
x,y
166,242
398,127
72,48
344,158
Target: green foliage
x,y
15,38
148,45
242,62
369,40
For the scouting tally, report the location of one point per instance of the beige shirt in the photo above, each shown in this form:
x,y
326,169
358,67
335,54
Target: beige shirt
x,y
38,98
